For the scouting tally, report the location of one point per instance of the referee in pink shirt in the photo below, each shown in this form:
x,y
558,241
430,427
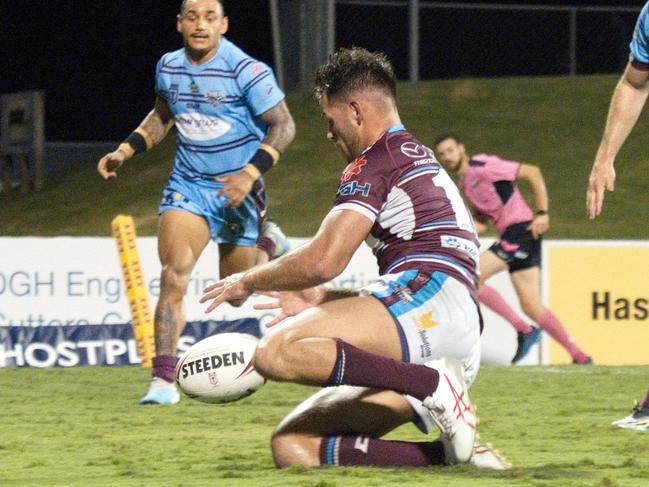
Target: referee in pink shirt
x,y
489,186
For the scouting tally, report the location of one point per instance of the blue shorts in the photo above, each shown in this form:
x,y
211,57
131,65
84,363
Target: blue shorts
x,y
237,226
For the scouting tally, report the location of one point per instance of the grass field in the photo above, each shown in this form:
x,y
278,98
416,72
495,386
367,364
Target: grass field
x,y
82,427
555,122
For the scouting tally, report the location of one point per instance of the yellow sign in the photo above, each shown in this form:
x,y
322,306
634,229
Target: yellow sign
x,y
600,290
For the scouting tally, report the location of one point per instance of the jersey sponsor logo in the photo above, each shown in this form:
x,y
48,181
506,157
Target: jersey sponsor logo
x,y
353,187
425,348
215,98
256,69
423,162
414,150
461,244
172,96
403,293
196,126
426,321
354,168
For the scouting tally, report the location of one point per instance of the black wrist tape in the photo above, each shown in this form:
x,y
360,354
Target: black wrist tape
x,y
262,160
136,141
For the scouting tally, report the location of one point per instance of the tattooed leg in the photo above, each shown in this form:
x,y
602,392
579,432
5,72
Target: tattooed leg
x,y
169,323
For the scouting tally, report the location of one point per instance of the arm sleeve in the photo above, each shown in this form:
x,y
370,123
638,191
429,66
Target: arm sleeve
x,y
360,190
639,44
259,87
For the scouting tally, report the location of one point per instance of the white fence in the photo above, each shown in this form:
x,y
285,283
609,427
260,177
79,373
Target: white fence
x,y
598,288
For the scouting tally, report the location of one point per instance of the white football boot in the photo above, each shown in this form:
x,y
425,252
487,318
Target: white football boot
x,y
161,392
451,410
486,456
271,230
638,419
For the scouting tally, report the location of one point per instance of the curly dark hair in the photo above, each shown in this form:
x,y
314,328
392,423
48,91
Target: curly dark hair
x,y
350,70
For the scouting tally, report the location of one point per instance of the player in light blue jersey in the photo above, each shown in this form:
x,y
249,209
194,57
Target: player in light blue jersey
x,y
232,125
628,100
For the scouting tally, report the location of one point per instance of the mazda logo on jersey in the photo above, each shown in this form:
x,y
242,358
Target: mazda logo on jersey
x,y
414,150
353,187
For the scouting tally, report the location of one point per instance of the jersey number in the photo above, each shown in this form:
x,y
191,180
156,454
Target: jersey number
x,y
443,180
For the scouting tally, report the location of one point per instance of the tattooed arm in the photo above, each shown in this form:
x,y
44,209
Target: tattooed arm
x,y
151,131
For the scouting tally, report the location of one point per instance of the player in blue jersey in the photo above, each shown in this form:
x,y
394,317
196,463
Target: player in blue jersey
x,y
628,100
232,125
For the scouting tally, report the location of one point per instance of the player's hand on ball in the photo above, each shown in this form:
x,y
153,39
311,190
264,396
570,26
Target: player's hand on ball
x,y
108,165
236,187
291,302
228,289
602,178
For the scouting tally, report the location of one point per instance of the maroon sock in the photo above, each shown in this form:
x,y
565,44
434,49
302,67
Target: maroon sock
x,y
267,245
358,368
363,450
163,367
645,403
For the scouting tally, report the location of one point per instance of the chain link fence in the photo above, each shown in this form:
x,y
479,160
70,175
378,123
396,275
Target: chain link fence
x,y
476,40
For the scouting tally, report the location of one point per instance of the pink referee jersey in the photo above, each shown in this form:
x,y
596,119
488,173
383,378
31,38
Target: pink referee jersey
x,y
490,187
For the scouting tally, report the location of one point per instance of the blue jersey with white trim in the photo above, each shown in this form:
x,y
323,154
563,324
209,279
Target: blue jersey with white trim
x,y
640,43
216,106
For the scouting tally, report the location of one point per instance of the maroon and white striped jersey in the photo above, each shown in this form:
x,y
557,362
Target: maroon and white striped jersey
x,y
420,220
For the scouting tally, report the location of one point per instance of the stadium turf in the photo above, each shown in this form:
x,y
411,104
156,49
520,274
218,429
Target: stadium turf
x,y
82,426
555,122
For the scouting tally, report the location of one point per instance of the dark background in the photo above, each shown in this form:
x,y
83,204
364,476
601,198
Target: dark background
x,y
95,59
